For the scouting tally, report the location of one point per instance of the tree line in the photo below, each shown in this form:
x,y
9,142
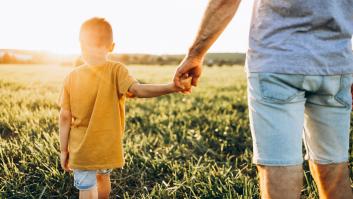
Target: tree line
x,y
212,59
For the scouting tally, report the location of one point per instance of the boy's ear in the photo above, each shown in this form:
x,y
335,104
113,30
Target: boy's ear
x,y
112,47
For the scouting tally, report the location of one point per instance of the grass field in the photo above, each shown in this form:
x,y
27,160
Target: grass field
x,y
177,146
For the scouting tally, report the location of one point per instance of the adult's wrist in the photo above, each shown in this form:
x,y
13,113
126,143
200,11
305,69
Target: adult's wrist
x,y
195,55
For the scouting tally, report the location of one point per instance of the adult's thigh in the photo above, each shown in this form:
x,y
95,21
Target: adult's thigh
x,y
276,112
327,121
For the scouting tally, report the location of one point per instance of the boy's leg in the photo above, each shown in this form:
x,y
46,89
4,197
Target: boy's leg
x,y
85,181
276,111
89,194
103,184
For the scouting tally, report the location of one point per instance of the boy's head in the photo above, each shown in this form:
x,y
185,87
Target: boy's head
x,y
96,38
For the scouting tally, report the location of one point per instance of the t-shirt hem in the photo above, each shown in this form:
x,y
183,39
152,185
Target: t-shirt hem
x,y
299,70
127,85
96,167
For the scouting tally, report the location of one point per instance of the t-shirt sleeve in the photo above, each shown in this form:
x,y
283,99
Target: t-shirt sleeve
x,y
64,98
124,80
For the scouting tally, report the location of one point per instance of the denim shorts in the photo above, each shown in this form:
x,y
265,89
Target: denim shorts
x,y
286,109
86,179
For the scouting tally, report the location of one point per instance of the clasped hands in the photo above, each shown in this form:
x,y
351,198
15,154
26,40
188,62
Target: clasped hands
x,y
188,73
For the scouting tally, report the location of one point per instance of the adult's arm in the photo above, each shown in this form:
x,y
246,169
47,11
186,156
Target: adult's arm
x,y
216,18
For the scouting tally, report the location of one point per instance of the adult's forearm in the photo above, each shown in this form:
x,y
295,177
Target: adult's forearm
x,y
216,18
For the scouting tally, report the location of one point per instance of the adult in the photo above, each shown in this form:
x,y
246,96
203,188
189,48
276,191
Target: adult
x,y
299,71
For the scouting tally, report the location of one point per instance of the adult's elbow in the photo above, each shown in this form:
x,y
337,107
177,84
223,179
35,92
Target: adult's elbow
x,y
227,3
230,2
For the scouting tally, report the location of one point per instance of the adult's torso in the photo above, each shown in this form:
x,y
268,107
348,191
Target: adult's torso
x,y
311,37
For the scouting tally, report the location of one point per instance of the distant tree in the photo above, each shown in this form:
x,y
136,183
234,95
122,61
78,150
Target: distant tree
x,y
209,62
7,58
124,58
78,61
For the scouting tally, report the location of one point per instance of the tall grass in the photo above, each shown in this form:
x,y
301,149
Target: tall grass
x,y
177,146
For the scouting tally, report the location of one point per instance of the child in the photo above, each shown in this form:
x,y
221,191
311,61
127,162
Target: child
x,y
92,115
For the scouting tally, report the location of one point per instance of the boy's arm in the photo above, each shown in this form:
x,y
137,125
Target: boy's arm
x,y
64,131
152,90
155,90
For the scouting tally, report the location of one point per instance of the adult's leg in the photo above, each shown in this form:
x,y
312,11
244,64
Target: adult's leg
x,y
326,136
276,111
280,182
332,180
104,185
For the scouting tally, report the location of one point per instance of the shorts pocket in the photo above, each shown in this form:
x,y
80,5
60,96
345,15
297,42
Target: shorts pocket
x,y
344,95
280,88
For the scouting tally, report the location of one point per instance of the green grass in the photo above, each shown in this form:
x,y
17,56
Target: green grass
x,y
177,146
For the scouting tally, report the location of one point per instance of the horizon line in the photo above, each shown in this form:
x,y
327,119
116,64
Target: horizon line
x,y
136,53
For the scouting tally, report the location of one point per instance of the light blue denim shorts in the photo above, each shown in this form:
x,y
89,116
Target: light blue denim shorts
x,y
288,110
86,179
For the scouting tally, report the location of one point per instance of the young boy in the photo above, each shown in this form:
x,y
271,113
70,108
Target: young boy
x,y
92,115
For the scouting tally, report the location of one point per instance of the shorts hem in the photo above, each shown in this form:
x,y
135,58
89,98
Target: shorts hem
x,y
277,163
85,188
329,161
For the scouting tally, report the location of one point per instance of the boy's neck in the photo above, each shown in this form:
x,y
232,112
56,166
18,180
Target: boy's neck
x,y
94,56
93,61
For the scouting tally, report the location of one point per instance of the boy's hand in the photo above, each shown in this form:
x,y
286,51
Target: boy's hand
x,y
186,85
190,66
64,160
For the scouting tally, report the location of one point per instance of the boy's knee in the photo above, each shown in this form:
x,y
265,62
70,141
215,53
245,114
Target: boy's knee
x,y
104,185
103,177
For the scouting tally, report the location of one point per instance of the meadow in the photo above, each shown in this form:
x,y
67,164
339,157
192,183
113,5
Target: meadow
x,y
176,146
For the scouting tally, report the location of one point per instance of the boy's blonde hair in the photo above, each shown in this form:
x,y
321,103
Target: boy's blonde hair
x,y
96,32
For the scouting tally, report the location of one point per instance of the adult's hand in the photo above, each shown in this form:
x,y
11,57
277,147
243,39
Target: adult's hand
x,y
190,66
216,18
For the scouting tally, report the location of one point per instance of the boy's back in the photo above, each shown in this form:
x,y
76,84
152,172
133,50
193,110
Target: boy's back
x,y
92,114
95,97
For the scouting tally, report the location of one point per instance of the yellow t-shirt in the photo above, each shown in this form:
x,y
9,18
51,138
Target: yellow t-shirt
x,y
95,95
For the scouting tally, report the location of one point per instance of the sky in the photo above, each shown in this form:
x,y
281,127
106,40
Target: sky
x,y
139,26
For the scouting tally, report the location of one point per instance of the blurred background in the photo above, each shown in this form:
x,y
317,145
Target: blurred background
x,y
145,32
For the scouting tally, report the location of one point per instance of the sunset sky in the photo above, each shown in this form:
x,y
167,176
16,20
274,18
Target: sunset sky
x,y
140,26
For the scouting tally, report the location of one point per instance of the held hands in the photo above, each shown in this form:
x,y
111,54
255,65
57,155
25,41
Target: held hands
x,y
190,67
185,83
